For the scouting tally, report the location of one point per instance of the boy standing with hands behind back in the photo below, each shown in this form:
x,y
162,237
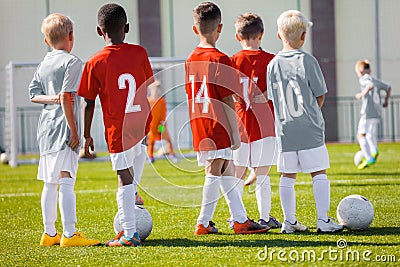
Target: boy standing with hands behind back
x,y
54,85
297,88
256,122
119,75
210,80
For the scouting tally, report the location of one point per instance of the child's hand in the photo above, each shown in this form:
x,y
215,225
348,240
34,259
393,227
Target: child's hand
x,y
259,99
88,143
385,104
73,142
235,142
358,96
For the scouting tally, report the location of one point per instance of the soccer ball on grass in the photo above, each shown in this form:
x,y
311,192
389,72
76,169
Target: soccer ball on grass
x,y
144,222
4,158
355,212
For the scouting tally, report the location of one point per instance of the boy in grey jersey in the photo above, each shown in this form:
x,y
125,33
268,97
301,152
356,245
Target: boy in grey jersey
x,y
54,85
371,109
297,88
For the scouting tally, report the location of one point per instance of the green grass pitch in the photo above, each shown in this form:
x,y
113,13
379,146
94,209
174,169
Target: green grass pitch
x,y
172,195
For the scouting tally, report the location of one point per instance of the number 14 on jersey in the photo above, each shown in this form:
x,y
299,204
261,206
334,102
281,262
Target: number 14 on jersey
x,y
202,96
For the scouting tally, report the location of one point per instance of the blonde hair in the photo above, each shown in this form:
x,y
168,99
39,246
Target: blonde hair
x,y
292,24
249,26
362,65
55,27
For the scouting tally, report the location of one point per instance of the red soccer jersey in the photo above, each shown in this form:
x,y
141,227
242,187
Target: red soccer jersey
x,y
209,78
255,119
119,75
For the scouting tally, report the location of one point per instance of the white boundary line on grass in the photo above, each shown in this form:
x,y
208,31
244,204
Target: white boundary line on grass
x,y
77,192
114,189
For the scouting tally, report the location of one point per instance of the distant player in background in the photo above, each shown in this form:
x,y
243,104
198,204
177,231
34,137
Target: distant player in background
x,y
256,123
210,84
119,74
54,85
158,126
371,110
297,88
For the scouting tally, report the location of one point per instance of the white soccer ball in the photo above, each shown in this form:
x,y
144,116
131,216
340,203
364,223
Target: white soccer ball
x,y
358,157
144,222
355,212
4,158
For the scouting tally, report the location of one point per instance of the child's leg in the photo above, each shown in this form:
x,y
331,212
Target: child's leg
x,y
138,164
209,199
370,136
231,192
125,200
361,133
67,204
321,190
288,196
240,172
263,191
150,147
49,207
364,146
165,136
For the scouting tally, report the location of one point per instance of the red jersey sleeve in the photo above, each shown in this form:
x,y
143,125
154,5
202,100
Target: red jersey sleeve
x,y
89,86
227,79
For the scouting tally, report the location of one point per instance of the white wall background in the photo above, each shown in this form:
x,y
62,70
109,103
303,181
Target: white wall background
x,y
355,32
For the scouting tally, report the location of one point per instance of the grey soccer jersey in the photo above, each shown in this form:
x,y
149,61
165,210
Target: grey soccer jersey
x,y
371,102
294,81
58,72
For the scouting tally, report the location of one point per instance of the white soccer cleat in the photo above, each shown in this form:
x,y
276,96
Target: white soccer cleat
x,y
288,228
329,226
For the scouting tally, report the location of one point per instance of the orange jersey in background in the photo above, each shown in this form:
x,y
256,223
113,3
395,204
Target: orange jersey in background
x,y
159,115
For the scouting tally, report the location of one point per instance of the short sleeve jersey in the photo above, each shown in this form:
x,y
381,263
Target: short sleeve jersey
x,y
118,75
59,72
255,120
295,80
209,79
371,106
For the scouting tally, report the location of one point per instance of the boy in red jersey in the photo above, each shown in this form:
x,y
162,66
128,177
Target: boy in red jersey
x,y
119,75
255,119
210,80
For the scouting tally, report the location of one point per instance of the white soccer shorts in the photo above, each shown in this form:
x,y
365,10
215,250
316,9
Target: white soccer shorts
x,y
258,153
124,160
306,161
50,165
367,126
204,156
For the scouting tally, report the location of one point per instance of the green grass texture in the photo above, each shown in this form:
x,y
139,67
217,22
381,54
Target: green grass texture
x,y
172,194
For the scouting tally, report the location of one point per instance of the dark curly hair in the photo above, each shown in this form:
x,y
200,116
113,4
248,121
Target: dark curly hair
x,y
112,18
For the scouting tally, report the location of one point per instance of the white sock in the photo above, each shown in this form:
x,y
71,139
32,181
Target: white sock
x,y
365,148
67,204
138,164
240,187
263,195
321,189
371,140
288,198
126,208
49,207
209,200
233,198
